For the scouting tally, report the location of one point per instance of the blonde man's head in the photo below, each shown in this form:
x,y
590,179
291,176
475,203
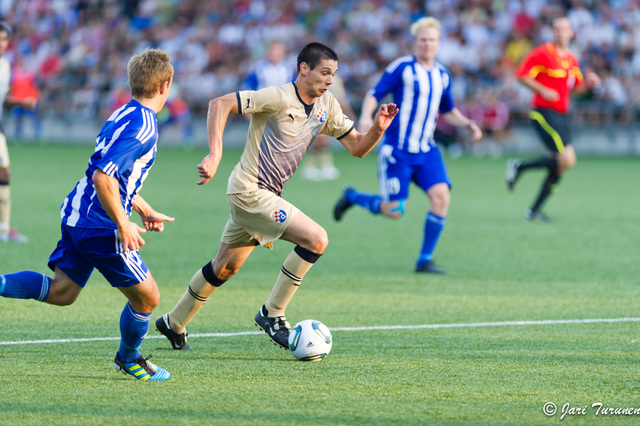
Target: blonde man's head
x,y
422,23
148,71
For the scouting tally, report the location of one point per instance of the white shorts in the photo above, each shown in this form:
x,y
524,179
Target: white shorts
x,y
259,216
4,152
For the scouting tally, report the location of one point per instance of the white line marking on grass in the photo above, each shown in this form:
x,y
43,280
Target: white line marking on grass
x,y
375,327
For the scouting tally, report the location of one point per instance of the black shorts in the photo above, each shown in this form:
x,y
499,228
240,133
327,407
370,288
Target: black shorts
x,y
554,128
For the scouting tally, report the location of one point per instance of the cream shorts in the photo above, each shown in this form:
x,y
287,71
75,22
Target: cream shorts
x,y
4,152
258,215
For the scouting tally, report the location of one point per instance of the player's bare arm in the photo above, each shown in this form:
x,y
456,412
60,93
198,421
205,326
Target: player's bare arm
x,y
108,191
591,81
29,103
217,115
151,219
359,144
457,119
544,91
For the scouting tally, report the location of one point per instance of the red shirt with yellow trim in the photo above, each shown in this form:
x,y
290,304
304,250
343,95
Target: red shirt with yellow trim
x,y
560,72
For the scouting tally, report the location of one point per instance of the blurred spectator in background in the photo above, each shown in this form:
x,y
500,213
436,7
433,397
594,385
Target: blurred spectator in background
x,y
7,233
80,48
176,113
24,87
272,71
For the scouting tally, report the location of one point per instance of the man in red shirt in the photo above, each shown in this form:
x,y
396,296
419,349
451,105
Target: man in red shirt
x,y
551,71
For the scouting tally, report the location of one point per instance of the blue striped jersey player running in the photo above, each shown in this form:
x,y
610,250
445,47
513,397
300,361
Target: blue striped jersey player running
x,y
96,230
421,88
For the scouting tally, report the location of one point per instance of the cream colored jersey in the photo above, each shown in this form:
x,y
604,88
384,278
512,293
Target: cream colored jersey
x,y
5,80
282,128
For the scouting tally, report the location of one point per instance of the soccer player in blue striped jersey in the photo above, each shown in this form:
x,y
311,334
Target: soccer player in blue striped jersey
x,y
96,230
421,87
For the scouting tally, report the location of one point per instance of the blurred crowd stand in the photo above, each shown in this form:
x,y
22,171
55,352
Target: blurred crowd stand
x,y
77,51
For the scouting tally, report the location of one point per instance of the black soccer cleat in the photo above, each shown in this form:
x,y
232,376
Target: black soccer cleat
x,y
342,205
532,216
430,268
178,340
277,328
512,173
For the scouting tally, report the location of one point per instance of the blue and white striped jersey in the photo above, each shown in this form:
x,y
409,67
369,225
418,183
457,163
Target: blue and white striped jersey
x,y
421,95
125,149
266,74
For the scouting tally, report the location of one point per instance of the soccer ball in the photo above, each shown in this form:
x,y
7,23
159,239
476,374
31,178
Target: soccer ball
x,y
310,340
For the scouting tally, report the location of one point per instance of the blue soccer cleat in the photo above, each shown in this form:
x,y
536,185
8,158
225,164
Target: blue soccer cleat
x,y
141,369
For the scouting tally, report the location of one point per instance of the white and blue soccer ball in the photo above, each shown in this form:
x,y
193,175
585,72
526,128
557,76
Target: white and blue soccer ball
x,y
310,340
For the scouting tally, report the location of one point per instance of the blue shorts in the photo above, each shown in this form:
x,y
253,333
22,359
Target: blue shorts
x,y
397,169
82,249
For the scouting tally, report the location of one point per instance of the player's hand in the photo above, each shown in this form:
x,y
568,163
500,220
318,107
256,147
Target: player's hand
x,y
206,169
549,94
155,221
130,238
475,131
29,103
385,115
591,79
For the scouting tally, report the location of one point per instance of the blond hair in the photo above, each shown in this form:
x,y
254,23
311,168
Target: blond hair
x,y
147,71
428,22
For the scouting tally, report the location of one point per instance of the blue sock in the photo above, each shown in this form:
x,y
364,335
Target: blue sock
x,y
432,228
370,202
133,329
25,285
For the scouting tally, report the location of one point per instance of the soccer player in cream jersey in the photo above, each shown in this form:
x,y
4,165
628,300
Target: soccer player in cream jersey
x,y
96,230
284,122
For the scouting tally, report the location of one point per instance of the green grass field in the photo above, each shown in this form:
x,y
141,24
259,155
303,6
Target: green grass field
x,y
479,351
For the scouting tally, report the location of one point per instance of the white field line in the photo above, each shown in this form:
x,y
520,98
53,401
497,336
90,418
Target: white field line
x,y
378,327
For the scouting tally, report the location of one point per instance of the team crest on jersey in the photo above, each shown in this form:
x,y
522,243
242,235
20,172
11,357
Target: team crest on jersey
x,y
280,216
322,115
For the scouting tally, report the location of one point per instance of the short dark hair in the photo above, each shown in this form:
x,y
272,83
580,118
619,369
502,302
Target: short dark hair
x,y
6,28
314,53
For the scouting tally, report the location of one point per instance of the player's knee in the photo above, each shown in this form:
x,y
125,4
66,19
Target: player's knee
x,y
319,241
61,294
440,201
226,270
568,163
152,302
146,303
567,159
61,300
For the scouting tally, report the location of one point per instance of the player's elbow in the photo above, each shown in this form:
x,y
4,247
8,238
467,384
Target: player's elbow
x,y
360,149
359,153
215,103
226,102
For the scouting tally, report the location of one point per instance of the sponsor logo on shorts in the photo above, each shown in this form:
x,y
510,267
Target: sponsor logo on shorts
x,y
322,115
280,216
